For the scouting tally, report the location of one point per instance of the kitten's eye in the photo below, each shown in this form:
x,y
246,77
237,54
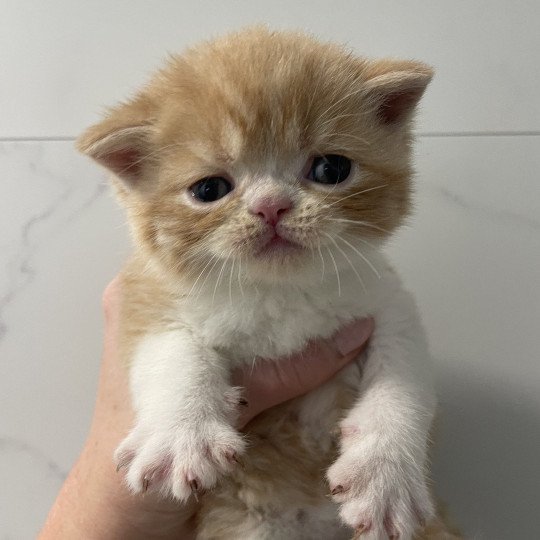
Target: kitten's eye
x,y
211,189
329,169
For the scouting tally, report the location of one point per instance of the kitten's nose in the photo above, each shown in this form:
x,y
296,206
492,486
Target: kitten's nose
x,y
271,209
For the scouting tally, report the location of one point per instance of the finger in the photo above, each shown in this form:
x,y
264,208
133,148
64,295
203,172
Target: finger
x,y
110,299
273,382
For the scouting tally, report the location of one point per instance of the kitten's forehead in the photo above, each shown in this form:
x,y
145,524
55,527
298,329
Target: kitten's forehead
x,y
257,95
232,124
264,96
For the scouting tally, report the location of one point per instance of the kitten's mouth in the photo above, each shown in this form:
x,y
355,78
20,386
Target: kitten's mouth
x,y
277,245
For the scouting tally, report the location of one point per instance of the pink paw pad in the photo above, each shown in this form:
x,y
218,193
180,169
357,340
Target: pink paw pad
x,y
348,431
362,528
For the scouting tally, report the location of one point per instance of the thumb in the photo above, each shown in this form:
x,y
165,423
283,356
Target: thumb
x,y
272,382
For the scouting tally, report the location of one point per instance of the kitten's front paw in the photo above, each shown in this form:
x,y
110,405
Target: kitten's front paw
x,y
179,461
382,493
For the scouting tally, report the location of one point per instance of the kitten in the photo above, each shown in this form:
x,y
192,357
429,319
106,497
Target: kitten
x,y
261,174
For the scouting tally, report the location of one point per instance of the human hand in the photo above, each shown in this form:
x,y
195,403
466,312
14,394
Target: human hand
x,y
94,503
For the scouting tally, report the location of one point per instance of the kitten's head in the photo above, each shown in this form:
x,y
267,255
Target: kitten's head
x,y
264,150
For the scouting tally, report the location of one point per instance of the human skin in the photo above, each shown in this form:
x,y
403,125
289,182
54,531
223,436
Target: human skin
x,y
94,503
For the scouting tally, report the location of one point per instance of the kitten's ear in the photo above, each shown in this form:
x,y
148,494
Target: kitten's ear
x,y
122,142
395,88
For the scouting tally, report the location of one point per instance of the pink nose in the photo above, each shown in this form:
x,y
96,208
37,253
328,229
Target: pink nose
x,y
271,209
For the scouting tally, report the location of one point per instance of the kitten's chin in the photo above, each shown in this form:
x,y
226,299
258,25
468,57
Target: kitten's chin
x,y
283,264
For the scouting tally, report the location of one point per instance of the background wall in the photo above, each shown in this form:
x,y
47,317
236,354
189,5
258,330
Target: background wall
x,y
471,253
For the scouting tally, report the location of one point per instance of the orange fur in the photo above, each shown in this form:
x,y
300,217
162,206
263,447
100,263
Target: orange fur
x,y
245,99
239,102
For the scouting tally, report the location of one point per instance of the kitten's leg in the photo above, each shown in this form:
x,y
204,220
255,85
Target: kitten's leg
x,y
182,439
380,476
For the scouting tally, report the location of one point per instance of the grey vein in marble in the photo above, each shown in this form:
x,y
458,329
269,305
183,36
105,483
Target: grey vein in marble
x,y
494,214
20,270
22,447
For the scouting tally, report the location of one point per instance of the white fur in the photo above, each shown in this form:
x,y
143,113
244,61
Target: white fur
x,y
185,405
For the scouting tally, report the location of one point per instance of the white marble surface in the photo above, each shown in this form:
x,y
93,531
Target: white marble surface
x,y
471,252
64,59
62,239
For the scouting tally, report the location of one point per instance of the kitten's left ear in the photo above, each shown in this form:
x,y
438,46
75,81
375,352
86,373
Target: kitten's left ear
x,y
396,87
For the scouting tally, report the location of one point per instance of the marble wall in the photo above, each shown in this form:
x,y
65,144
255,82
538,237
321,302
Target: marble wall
x,y
471,252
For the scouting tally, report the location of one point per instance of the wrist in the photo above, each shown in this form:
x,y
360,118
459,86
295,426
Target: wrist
x,y
95,504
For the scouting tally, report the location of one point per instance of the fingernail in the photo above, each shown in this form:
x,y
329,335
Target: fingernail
x,y
353,336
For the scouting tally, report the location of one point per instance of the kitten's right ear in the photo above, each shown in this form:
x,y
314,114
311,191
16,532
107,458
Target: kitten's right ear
x,y
122,143
395,87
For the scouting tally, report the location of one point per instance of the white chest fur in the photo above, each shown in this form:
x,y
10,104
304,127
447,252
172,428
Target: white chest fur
x,y
183,398
275,320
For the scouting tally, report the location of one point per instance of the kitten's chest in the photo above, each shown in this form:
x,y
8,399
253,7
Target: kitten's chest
x,y
274,322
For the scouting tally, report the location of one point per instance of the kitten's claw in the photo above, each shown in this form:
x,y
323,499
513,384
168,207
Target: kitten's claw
x,y
194,486
145,484
337,489
233,458
390,528
360,530
123,459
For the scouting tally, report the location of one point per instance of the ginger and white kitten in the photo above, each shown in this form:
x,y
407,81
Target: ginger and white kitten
x,y
261,173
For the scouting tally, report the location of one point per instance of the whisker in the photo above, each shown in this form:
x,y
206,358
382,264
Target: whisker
x,y
218,280
201,273
313,97
358,193
369,244
322,261
328,194
361,223
239,276
150,154
230,281
191,255
365,259
334,105
333,142
201,288
322,125
348,260
337,271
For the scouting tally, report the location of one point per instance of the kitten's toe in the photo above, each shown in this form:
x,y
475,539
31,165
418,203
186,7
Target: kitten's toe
x,y
364,517
182,462
382,519
382,496
148,471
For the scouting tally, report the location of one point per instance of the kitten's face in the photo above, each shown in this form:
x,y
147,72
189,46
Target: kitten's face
x,y
270,156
